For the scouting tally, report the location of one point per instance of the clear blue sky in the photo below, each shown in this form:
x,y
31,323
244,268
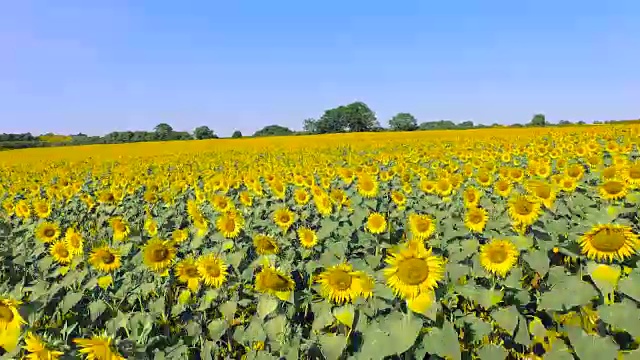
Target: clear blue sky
x,y
99,66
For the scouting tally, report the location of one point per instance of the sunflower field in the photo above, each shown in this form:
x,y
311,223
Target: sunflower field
x,y
477,244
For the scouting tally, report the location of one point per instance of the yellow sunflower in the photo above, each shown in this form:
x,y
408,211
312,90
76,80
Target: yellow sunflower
x,y
367,186
151,227
421,226
499,256
180,235
47,232
340,284
307,237
284,218
606,242
74,241
524,209
543,191
265,244
187,273
158,254
36,349
273,281
10,324
399,199
376,223
476,219
98,348
301,197
120,228
502,187
60,252
212,270
613,189
413,269
230,224
22,209
105,259
471,196
42,208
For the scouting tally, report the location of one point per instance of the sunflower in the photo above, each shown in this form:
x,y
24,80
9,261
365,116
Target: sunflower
x,y
212,270
106,197
399,199
74,241
428,186
323,204
631,174
471,196
340,283
158,254
47,232
421,303
10,323
180,235
187,273
606,242
22,209
421,226
307,237
36,349
444,187
498,256
376,223
524,209
301,197
230,224
273,281
568,184
476,219
151,227
544,192
60,252
98,348
120,228
105,259
265,244
284,218
367,186
613,190
502,187
42,208
413,269
246,199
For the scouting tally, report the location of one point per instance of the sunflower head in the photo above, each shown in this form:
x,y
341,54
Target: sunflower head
x,y
340,284
609,242
376,223
283,217
307,237
413,269
10,318
105,259
47,232
230,224
61,252
180,235
212,270
524,209
422,226
98,347
265,244
476,219
613,189
271,280
120,228
187,273
37,349
499,256
158,254
74,241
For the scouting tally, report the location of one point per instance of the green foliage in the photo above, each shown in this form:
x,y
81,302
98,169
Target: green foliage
x,y
403,122
355,117
538,120
203,132
273,130
236,134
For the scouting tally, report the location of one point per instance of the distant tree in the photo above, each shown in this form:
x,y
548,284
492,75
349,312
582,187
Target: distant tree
x,y
538,120
597,122
437,125
310,125
163,130
203,132
236,134
273,130
180,135
516,125
565,123
403,122
466,125
356,117
581,122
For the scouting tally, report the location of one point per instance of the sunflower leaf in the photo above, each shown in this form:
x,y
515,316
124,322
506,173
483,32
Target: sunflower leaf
x,y
630,286
217,328
332,345
70,300
591,347
228,310
96,308
266,305
622,316
443,342
492,351
507,318
403,331
538,261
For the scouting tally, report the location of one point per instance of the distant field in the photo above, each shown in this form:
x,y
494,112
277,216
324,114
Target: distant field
x,y
473,243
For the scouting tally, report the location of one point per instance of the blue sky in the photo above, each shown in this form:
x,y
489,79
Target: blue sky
x,y
100,66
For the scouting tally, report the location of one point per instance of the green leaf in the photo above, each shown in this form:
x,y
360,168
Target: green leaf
x,y
492,351
345,314
403,331
514,278
591,347
228,310
275,327
630,286
217,328
573,292
332,345
622,316
507,318
479,327
443,342
96,308
487,297
266,305
70,300
322,315
522,242
538,261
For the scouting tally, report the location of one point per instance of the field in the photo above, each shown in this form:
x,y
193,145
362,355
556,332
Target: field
x,y
477,244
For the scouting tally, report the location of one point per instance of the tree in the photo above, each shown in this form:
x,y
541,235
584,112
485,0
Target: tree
x,y
538,120
354,117
437,125
236,134
466,125
564,123
273,130
581,122
310,125
163,130
403,122
203,132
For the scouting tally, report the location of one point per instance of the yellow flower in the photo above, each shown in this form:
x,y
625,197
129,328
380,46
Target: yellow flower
x,y
120,228
230,224
187,273
212,270
284,218
413,269
97,348
524,209
105,259
476,219
608,242
471,196
42,208
301,197
47,232
151,227
105,281
613,190
60,252
74,241
10,324
265,244
367,186
158,255
499,256
37,349
340,284
180,235
22,209
272,281
421,226
307,237
376,223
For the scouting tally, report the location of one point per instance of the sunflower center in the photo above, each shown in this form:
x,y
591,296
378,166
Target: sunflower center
x,y
608,240
119,227
108,258
503,186
375,222
475,217
543,191
422,225
63,253
159,254
471,197
49,232
366,185
213,270
229,225
284,218
574,172
613,187
191,271
634,172
6,315
523,207
443,185
74,241
340,280
413,271
497,254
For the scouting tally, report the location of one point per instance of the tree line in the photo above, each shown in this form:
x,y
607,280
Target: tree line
x,y
354,117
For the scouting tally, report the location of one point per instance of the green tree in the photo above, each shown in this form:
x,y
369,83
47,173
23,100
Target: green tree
x,y
403,122
273,130
356,117
203,132
236,134
310,125
538,120
466,125
163,130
